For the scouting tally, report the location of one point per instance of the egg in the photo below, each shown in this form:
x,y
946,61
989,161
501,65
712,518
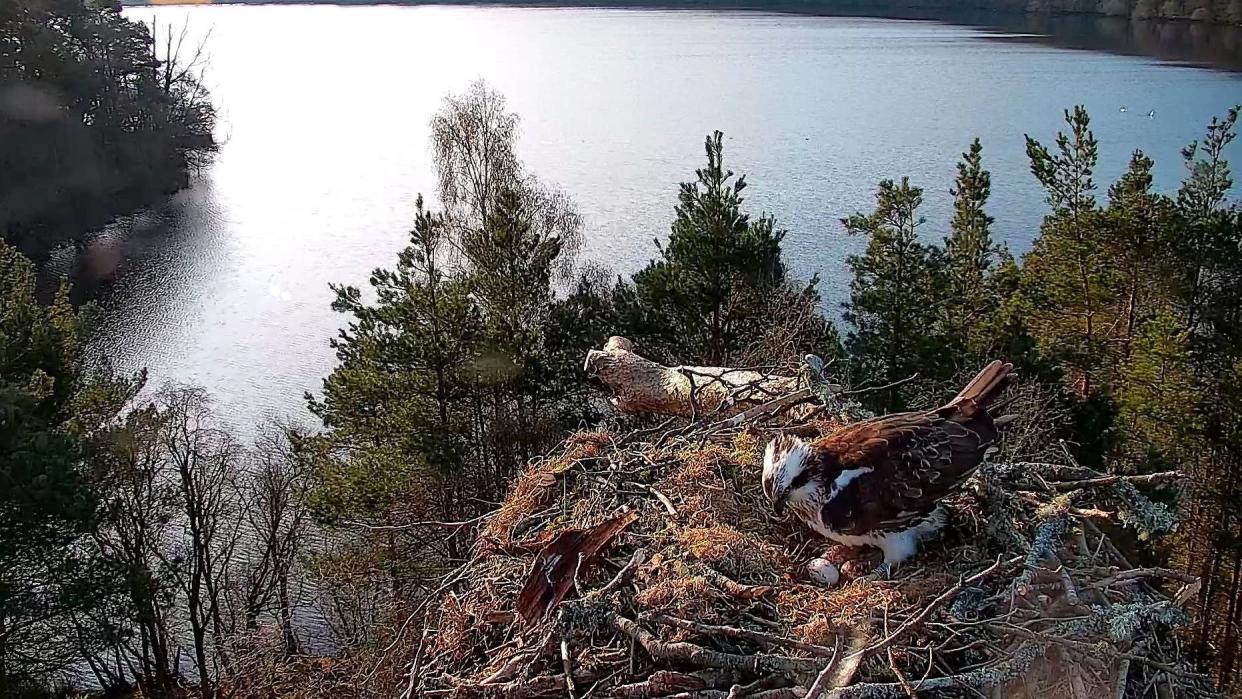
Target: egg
x,y
824,572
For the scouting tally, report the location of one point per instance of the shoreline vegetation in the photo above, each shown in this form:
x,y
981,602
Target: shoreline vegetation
x,y
421,541
1224,12
463,439
100,116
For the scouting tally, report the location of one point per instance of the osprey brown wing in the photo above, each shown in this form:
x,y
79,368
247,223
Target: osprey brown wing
x,y
915,459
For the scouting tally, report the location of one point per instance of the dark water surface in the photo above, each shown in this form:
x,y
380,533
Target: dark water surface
x,y
325,146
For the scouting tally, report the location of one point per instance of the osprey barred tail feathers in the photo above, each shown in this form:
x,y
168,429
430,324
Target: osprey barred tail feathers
x,y
879,482
984,388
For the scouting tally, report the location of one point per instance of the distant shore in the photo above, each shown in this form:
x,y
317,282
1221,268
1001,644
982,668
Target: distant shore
x,y
1198,11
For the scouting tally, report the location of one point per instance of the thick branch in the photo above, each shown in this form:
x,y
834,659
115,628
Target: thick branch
x,y
643,386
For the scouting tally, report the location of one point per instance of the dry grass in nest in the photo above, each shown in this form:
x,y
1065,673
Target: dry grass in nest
x,y
688,596
744,558
807,607
535,487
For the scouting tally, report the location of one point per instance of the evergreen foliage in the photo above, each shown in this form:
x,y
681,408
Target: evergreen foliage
x,y
720,280
100,117
895,296
53,413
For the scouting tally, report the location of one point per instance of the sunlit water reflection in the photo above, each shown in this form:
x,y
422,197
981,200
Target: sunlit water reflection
x,y
325,146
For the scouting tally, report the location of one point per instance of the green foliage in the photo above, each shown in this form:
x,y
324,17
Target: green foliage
x,y
894,295
1158,398
53,412
101,119
980,276
398,406
719,281
458,372
1068,272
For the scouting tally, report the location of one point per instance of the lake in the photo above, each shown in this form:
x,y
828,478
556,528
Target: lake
x,y
324,127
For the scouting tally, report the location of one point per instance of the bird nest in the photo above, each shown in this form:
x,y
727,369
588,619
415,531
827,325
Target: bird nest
x,y
649,565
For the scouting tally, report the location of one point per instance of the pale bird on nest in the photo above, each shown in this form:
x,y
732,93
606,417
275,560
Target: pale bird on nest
x,y
879,482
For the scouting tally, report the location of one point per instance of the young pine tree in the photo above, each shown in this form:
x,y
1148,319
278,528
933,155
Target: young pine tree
x,y
894,296
1138,227
1069,271
720,285
399,406
977,270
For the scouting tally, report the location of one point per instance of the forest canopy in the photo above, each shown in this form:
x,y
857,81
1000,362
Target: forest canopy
x,y
198,558
99,116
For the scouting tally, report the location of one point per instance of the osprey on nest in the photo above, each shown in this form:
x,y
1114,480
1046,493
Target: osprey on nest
x,y
879,482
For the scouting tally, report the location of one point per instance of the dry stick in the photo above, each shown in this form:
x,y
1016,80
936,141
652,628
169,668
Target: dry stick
x,y
1139,573
817,687
418,661
1067,583
668,504
425,523
734,632
623,576
901,679
569,668
661,683
749,414
785,693
697,655
1123,673
935,604
1148,479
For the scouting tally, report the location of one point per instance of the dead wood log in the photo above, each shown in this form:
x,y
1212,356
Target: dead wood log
x,y
641,386
661,684
691,654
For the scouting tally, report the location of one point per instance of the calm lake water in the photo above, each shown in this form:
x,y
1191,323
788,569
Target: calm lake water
x,y
324,120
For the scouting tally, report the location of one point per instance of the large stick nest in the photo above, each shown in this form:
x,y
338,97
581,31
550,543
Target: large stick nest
x,y
703,593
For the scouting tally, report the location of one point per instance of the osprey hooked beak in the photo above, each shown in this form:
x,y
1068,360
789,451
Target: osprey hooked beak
x,y
780,501
782,463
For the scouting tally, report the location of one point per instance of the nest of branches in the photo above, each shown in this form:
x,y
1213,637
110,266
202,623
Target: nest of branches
x,y
648,565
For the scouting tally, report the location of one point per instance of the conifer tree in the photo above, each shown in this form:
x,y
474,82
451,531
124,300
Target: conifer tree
x,y
398,407
1159,399
55,413
894,296
978,272
719,279
1138,230
1068,272
1210,236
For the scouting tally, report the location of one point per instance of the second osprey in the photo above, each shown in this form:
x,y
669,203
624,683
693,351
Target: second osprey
x,y
879,482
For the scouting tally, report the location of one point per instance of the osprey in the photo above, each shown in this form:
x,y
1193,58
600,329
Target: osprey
x,y
879,482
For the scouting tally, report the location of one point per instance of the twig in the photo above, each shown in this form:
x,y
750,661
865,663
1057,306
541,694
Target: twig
x,y
901,679
1147,479
931,608
874,389
623,576
817,687
668,504
1140,573
692,654
425,523
568,665
734,632
415,666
